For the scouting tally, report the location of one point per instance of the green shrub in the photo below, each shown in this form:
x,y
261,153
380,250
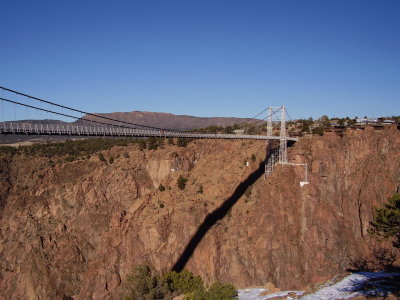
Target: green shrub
x,y
221,291
217,291
253,157
101,157
183,142
386,221
184,282
182,182
142,144
145,284
126,155
70,158
111,160
318,130
152,143
161,188
9,150
160,142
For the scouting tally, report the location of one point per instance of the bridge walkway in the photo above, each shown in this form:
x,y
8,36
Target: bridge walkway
x,y
83,130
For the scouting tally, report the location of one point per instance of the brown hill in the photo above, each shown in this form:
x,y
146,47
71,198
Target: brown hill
x,y
168,120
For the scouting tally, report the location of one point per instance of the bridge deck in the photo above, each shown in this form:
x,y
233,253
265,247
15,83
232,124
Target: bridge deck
x,y
78,130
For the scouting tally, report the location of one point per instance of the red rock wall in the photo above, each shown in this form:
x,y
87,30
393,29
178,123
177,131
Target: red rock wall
x,y
78,229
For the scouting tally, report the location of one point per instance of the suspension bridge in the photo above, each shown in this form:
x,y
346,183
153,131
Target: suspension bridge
x,y
105,126
96,125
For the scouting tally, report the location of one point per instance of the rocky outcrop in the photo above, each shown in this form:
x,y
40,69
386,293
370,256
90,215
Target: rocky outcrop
x,y
77,229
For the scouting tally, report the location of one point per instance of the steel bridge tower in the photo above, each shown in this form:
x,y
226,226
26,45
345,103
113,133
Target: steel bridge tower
x,y
283,141
283,136
276,153
269,121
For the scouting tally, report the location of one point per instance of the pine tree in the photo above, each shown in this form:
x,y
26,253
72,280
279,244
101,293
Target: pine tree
x,y
386,221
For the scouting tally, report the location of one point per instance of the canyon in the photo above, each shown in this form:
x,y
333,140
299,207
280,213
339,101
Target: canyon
x,y
76,230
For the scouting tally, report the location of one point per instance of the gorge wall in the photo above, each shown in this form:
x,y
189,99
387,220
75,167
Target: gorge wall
x,y
75,230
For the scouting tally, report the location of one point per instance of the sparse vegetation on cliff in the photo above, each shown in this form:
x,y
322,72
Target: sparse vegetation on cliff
x,y
144,283
318,130
152,143
386,224
70,148
183,142
182,182
101,157
386,221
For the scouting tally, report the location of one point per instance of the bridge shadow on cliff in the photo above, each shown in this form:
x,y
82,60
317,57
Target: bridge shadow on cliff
x,y
218,214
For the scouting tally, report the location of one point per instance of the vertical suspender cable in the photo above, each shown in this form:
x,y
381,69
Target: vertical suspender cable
x,y
2,107
27,110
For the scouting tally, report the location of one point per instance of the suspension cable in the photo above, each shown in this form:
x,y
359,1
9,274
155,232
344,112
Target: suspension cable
x,y
60,114
288,115
83,112
249,119
262,120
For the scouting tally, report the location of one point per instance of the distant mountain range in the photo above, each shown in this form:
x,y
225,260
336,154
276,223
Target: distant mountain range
x,y
167,120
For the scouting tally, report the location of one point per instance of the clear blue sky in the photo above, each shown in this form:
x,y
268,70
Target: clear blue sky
x,y
206,58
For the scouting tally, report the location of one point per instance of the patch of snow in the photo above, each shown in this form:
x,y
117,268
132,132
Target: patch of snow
x,y
256,294
349,287
250,294
283,294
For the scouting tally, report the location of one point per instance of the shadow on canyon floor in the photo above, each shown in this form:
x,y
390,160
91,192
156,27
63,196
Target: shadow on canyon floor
x,y
217,215
376,285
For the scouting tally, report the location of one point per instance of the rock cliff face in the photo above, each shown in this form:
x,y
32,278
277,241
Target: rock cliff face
x,y
77,229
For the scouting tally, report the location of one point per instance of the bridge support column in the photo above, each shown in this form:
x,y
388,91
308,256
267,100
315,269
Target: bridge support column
x,y
269,121
283,159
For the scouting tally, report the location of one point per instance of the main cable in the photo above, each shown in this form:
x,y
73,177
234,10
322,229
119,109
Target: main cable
x,y
288,115
83,112
61,114
262,120
249,119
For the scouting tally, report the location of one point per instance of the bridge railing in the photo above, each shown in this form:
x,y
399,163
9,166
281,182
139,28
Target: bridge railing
x,y
79,130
